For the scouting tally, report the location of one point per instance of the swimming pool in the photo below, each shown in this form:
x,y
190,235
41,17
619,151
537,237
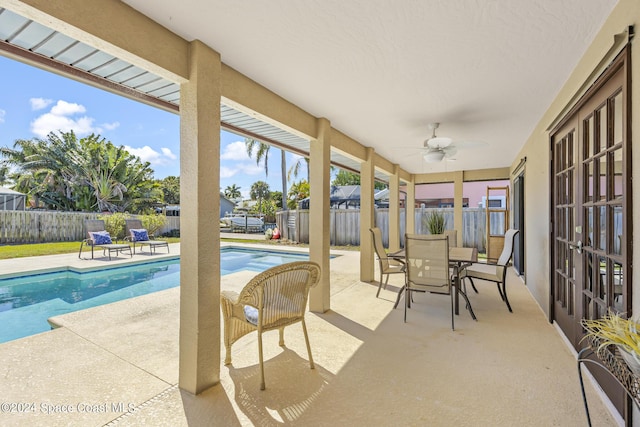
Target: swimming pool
x,y
26,302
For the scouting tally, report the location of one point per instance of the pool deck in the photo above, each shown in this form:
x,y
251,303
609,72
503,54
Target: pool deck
x,y
117,364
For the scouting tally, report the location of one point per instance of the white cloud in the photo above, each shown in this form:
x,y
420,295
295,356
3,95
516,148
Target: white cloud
x,y
39,103
61,118
64,108
2,114
148,154
111,126
235,151
50,122
167,152
226,172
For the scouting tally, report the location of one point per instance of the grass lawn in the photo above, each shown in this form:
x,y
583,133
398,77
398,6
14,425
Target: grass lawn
x,y
37,249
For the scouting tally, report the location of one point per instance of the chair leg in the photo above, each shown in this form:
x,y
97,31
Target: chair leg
x,y
262,386
503,292
407,297
306,338
281,343
380,284
452,315
472,284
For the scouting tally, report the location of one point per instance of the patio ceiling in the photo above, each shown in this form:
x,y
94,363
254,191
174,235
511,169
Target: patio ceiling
x,y
381,71
24,38
486,70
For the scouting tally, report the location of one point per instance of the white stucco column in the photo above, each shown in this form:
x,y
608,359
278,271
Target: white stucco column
x,y
319,237
199,212
394,209
457,204
366,216
410,207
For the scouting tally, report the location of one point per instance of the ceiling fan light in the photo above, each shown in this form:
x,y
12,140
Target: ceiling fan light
x,y
433,156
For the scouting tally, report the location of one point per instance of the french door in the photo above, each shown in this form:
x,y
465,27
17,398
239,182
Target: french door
x,y
591,211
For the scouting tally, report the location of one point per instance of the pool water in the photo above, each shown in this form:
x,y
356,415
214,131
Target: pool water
x,y
26,302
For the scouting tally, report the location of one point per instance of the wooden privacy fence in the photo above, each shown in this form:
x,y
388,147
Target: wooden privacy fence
x,y
38,226
344,225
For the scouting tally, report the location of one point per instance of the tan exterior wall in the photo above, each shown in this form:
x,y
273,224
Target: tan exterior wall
x,y
536,149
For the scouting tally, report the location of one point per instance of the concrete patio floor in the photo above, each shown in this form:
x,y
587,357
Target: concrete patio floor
x,y
117,364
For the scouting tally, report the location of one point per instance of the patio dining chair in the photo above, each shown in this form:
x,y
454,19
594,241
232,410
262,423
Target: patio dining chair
x,y
138,235
494,273
273,299
427,259
99,237
388,264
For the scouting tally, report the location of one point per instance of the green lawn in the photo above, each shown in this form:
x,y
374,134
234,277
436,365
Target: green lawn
x,y
36,249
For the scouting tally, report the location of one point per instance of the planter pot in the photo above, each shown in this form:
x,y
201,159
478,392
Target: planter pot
x,y
632,360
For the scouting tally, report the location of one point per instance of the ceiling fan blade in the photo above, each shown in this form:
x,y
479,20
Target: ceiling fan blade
x,y
470,144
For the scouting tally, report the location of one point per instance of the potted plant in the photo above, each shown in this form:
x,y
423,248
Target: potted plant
x,y
435,222
613,329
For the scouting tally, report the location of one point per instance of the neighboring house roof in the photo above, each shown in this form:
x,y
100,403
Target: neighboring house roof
x,y
4,190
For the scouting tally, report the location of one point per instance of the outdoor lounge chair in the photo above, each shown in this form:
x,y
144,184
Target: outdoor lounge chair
x,y
98,237
388,264
140,236
494,273
273,299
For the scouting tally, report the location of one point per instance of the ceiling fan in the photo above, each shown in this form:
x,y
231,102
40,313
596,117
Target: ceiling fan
x,y
438,148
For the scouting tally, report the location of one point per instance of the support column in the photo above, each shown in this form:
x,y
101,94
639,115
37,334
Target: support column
x,y
319,237
200,206
458,201
366,216
410,206
394,209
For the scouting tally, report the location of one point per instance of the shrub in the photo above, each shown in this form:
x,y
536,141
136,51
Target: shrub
x,y
153,223
115,224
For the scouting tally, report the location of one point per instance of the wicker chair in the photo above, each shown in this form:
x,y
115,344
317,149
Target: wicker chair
x,y
388,265
136,224
274,299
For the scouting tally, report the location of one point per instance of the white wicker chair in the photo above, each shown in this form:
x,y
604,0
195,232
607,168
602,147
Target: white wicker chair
x,y
274,299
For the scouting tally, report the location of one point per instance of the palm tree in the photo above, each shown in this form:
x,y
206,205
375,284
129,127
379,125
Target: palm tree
x,y
261,152
232,191
260,191
294,170
68,173
4,176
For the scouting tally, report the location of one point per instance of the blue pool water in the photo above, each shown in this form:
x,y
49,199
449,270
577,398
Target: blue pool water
x,y
26,302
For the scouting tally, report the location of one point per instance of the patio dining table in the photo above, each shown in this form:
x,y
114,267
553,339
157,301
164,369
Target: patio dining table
x,y
459,258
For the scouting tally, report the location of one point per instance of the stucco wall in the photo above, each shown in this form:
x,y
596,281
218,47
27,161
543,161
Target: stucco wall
x,y
536,149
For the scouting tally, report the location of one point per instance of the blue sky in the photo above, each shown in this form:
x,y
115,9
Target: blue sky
x,y
35,102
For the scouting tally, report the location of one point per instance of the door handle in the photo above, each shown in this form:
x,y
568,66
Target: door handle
x,y
577,246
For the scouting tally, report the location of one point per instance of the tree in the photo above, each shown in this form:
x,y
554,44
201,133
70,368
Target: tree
x,y
259,191
4,176
232,191
298,191
170,187
63,172
276,197
261,152
344,177
294,170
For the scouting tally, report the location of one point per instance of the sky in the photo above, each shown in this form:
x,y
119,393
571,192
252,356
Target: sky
x,y
34,102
